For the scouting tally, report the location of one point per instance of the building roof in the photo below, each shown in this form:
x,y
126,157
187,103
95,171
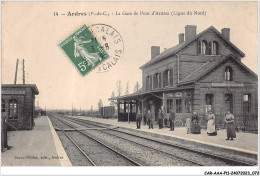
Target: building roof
x,y
207,67
32,86
140,92
175,49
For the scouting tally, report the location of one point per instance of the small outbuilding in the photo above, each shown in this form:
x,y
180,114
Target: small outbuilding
x,y
18,105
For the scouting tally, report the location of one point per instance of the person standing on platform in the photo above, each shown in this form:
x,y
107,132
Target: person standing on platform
x,y
145,118
171,119
211,129
188,125
138,119
229,119
166,119
160,118
150,119
195,127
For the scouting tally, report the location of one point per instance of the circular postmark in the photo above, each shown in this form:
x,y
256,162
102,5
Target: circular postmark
x,y
112,42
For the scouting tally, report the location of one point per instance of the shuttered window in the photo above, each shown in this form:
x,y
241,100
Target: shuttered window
x,y
178,106
209,52
168,77
246,103
214,48
204,47
209,102
3,105
150,82
199,47
147,82
169,105
157,81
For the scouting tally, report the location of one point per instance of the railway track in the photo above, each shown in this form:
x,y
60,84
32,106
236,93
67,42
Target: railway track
x,y
228,161
117,158
167,155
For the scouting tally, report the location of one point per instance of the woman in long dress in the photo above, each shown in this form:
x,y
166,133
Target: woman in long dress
x,y
211,130
229,119
195,127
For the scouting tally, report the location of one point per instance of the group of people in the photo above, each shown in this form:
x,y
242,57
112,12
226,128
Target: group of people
x,y
149,120
192,125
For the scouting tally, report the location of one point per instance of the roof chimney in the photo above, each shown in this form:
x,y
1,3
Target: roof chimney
x,y
181,38
226,33
190,32
155,51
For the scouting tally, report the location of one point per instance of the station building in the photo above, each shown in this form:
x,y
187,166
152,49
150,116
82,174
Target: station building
x,y
203,72
18,105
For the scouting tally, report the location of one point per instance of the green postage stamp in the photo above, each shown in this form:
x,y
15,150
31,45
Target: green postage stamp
x,y
84,50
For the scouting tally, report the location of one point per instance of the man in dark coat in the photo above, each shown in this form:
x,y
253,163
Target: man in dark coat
x,y
138,119
150,119
160,118
145,118
171,119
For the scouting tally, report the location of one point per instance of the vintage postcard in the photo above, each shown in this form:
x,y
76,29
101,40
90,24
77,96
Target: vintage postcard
x,y
130,84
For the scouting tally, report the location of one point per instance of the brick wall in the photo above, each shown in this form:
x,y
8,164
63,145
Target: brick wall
x,y
240,75
161,66
224,48
189,58
25,105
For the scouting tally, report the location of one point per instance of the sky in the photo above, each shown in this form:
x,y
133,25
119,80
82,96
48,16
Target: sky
x,y
30,31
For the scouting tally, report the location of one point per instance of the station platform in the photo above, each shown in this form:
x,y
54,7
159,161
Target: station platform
x,y
38,147
244,142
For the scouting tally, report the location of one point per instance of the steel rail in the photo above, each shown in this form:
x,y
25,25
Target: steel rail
x,y
117,152
75,144
239,162
167,153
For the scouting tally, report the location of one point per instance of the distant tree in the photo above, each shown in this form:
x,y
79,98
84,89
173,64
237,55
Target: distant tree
x,y
137,86
112,102
119,88
100,104
91,109
127,88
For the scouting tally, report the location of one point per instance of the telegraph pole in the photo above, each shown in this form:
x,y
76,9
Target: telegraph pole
x,y
23,73
15,76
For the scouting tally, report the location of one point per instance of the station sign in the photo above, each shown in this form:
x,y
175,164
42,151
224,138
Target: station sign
x,y
226,84
170,94
13,92
178,94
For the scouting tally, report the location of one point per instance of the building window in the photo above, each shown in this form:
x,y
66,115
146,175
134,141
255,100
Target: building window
x,y
147,82
13,109
121,108
157,80
169,105
209,102
246,103
178,106
204,47
214,48
188,104
228,74
167,77
150,82
3,106
229,102
134,106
